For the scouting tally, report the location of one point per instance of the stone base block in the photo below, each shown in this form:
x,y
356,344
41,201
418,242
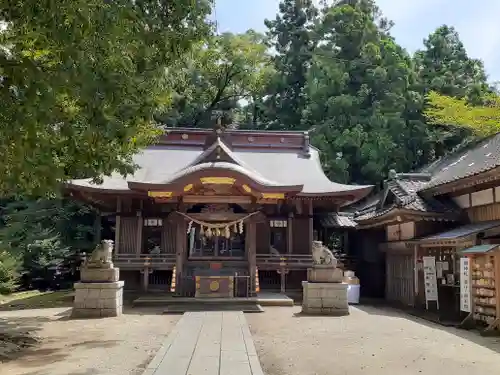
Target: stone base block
x,y
98,300
99,275
326,274
325,298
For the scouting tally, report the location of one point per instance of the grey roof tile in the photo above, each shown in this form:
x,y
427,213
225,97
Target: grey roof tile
x,y
405,190
337,220
463,231
283,167
470,160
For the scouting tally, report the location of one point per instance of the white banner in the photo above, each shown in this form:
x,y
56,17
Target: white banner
x,y
430,280
465,295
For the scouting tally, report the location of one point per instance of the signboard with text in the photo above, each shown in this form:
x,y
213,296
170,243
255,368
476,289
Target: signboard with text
x,y
430,279
465,295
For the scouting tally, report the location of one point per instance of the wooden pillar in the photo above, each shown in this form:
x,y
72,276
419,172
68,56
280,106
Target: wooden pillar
x,y
289,232
250,244
283,280
180,247
140,227
118,221
145,278
415,275
346,241
311,227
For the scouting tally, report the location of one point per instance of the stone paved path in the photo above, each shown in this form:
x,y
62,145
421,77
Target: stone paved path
x,y
208,343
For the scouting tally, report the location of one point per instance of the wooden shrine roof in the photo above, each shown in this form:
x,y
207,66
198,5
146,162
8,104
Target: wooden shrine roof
x,y
282,161
462,231
401,195
469,161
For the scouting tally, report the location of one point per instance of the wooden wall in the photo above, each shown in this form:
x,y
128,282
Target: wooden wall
x,y
168,237
263,238
399,232
483,205
400,280
301,236
128,235
484,213
129,226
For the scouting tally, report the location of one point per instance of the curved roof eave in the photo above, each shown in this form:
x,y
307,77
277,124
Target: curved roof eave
x,y
199,170
359,191
96,189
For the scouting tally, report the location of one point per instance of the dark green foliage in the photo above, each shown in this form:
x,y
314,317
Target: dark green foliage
x,y
444,67
359,85
46,235
291,35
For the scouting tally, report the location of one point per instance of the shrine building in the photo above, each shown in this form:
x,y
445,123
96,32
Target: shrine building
x,y
217,213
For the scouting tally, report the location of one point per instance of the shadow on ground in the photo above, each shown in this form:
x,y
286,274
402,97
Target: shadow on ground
x,y
19,338
492,343
90,371
61,298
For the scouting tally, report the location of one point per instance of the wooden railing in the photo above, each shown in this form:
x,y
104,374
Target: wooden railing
x,y
286,260
297,260
144,259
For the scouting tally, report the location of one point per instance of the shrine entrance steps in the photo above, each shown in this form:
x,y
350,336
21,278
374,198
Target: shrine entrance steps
x,y
185,304
207,343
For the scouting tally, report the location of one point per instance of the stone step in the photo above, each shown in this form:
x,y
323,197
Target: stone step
x,y
168,300
180,308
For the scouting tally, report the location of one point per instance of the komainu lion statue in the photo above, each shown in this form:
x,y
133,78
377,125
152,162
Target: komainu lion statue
x,y
102,254
322,256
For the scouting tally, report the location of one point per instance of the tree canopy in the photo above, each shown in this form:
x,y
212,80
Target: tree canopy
x,y
215,77
80,81
481,119
84,82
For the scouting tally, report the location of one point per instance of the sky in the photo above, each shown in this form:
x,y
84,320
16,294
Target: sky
x,y
414,20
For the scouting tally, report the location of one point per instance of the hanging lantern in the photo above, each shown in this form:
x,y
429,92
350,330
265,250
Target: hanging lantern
x,y
228,233
235,228
217,232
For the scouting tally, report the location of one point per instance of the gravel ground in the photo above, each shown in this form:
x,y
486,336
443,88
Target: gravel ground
x,y
372,341
112,346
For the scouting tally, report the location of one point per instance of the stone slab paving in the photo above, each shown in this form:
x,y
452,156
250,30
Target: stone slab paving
x,y
208,343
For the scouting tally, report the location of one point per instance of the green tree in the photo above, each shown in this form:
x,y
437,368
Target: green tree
x,y
215,78
444,67
482,119
80,82
359,89
292,39
9,272
43,234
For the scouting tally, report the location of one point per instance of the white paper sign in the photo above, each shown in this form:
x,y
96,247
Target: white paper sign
x,y
465,295
439,270
430,280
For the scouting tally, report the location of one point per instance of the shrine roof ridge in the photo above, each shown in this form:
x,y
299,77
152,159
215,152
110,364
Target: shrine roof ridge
x,y
234,130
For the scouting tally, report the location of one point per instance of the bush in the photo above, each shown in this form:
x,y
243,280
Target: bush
x,y
9,276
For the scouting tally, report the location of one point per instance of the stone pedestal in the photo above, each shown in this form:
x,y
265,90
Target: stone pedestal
x,y
324,274
99,294
324,298
98,300
100,275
